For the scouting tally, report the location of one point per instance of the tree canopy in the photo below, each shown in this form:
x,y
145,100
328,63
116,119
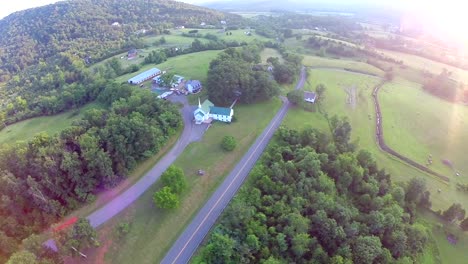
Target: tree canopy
x,y
309,201
43,179
231,77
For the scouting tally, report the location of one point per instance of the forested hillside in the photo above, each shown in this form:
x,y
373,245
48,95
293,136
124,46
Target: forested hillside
x,y
43,179
85,28
315,200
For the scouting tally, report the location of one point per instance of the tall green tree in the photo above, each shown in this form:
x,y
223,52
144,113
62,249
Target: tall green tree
x,y
166,199
454,212
174,178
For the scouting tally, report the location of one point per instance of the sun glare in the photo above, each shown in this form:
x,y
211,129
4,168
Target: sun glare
x,y
446,17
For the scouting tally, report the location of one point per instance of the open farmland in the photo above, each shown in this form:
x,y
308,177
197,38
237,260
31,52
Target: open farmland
x,y
320,62
418,124
427,64
237,35
183,65
154,230
269,52
177,40
27,129
363,133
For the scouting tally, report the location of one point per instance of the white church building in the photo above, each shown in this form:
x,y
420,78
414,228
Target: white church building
x,y
207,112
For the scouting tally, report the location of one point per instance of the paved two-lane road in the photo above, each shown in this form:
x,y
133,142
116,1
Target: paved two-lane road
x,y
189,134
188,242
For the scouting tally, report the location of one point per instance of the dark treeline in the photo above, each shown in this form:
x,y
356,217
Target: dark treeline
x,y
84,28
443,86
231,76
312,199
43,179
286,71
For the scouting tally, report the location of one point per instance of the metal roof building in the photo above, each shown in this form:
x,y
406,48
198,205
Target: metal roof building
x,y
144,76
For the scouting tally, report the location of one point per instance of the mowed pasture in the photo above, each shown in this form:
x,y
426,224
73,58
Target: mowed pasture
x,y
417,125
27,129
237,35
176,39
427,64
322,62
191,66
153,230
362,120
269,52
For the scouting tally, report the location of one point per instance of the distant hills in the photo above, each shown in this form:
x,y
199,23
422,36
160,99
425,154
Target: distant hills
x,y
94,28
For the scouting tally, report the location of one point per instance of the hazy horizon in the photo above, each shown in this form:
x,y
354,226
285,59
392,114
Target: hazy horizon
x,y
19,5
447,17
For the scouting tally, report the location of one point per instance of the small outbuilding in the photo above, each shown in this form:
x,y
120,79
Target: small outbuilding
x,y
131,54
310,97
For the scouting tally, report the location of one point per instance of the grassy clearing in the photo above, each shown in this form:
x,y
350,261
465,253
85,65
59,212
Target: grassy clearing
x,y
440,250
417,124
27,129
237,35
177,40
153,231
315,61
346,43
427,64
363,132
269,52
191,66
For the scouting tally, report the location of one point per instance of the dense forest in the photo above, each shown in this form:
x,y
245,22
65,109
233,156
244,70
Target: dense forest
x,y
44,51
231,76
43,179
314,199
91,29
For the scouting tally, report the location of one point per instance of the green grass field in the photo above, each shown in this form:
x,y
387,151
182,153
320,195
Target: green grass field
x,y
427,64
269,52
363,126
177,40
237,35
440,250
191,66
152,230
27,129
315,61
419,124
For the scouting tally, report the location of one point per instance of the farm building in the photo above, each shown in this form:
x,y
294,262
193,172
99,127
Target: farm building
x,y
176,80
207,112
310,97
144,76
193,86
